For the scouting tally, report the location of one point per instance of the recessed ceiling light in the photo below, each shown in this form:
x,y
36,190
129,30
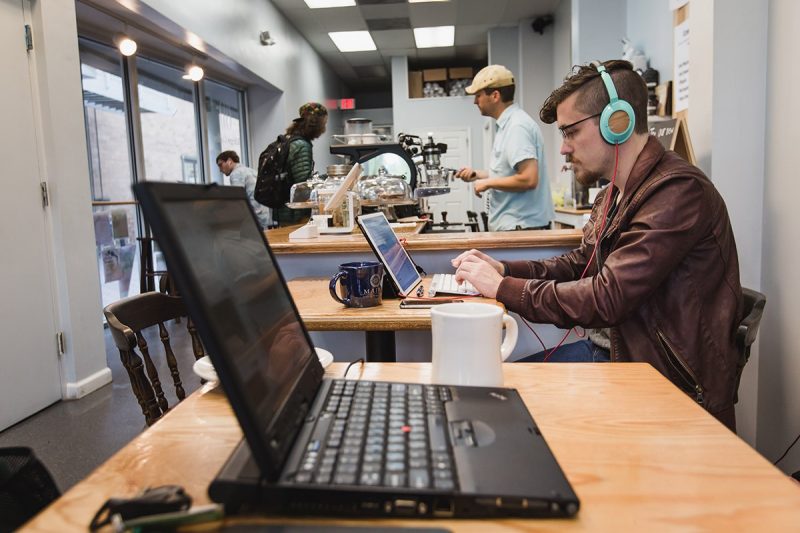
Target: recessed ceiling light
x,y
320,4
352,41
435,36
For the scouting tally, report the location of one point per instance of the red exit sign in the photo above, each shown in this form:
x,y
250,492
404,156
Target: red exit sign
x,y
347,103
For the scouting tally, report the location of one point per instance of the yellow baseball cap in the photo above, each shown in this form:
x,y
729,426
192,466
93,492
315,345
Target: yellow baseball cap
x,y
491,77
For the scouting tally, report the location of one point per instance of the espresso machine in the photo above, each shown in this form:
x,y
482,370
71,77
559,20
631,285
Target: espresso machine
x,y
397,176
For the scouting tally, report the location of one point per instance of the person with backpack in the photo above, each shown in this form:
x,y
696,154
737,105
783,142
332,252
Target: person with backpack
x,y
241,176
307,127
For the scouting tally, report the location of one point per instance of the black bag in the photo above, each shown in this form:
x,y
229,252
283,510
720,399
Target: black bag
x,y
272,182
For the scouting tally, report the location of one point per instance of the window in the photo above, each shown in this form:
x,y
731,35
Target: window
x,y
115,224
169,124
224,112
168,110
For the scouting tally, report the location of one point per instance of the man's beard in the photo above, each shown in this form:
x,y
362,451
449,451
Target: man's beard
x,y
587,177
583,176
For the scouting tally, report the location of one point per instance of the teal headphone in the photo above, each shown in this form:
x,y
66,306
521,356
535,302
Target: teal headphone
x,y
614,105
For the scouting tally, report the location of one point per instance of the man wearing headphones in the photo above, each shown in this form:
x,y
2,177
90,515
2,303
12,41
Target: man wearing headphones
x,y
657,263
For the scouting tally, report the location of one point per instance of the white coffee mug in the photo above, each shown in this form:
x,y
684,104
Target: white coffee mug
x,y
467,347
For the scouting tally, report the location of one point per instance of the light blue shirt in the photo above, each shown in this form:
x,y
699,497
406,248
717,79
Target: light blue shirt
x,y
518,138
243,176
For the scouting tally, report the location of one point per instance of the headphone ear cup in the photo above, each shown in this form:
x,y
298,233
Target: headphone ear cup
x,y
617,130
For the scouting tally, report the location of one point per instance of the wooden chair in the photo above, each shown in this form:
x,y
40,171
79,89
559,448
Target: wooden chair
x,y
126,319
754,303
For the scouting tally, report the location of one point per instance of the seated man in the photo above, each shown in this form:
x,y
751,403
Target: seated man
x,y
242,176
657,264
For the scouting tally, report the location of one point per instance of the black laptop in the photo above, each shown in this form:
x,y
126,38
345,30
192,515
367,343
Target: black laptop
x,y
335,447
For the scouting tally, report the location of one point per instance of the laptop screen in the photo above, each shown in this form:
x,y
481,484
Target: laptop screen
x,y
243,297
386,245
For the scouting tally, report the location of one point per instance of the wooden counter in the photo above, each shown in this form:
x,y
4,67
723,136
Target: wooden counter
x,y
567,217
279,241
640,454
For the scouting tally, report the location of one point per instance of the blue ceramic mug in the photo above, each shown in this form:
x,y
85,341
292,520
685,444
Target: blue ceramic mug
x,y
362,284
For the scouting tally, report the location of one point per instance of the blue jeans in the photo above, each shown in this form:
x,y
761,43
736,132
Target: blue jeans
x,y
583,351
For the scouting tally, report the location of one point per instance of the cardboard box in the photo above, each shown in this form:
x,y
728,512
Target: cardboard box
x,y
415,84
434,74
459,73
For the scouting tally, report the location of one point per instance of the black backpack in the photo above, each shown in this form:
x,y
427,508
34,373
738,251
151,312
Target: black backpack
x,y
273,183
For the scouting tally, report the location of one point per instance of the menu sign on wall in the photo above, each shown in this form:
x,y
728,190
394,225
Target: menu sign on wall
x,y
681,75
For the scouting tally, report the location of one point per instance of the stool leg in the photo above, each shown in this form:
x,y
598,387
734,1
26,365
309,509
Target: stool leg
x,y
381,346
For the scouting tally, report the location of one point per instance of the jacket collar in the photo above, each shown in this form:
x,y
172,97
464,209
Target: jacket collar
x,y
648,158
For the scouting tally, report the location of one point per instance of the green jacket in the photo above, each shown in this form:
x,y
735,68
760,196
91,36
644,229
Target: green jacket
x,y
300,164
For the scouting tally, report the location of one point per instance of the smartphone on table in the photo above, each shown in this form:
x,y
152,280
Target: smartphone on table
x,y
426,303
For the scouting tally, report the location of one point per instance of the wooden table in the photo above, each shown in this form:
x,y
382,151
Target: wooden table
x,y
640,455
355,242
320,312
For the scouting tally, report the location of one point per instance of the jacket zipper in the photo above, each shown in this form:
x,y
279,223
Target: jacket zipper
x,y
673,355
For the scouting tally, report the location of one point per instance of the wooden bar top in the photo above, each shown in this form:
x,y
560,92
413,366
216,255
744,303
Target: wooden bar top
x,y
572,210
320,312
641,455
355,242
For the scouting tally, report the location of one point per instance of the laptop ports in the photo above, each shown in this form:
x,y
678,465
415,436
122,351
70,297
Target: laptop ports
x,y
405,506
443,507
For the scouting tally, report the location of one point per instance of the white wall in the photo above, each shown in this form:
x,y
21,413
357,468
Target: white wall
x,y
727,130
59,104
562,63
600,27
779,365
537,53
291,66
649,27
503,48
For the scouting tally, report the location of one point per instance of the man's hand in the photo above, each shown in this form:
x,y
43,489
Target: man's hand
x,y
467,174
483,276
480,187
497,265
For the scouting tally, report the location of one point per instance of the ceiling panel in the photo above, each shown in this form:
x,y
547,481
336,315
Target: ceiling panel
x,y
384,11
472,18
393,39
363,59
471,34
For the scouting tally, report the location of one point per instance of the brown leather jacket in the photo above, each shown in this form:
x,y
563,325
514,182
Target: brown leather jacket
x,y
669,283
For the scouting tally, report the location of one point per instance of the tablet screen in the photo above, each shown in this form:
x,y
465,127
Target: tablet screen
x,y
390,252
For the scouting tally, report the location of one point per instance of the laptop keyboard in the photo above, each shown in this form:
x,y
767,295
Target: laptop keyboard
x,y
381,434
447,284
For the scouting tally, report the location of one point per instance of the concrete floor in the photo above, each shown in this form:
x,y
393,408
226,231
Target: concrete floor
x,y
72,438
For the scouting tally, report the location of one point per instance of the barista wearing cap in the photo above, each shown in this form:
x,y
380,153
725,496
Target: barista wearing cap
x,y
519,195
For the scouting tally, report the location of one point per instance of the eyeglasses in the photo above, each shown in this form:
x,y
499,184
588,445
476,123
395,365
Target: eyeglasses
x,y
566,134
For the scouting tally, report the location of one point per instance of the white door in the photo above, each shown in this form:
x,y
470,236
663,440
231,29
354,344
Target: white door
x,y
29,378
458,155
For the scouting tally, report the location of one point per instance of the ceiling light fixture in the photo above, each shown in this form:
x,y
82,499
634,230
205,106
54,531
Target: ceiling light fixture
x,y
322,4
352,41
435,36
126,45
194,73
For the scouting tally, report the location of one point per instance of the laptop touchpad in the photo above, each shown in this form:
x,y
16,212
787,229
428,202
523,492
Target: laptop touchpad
x,y
472,433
